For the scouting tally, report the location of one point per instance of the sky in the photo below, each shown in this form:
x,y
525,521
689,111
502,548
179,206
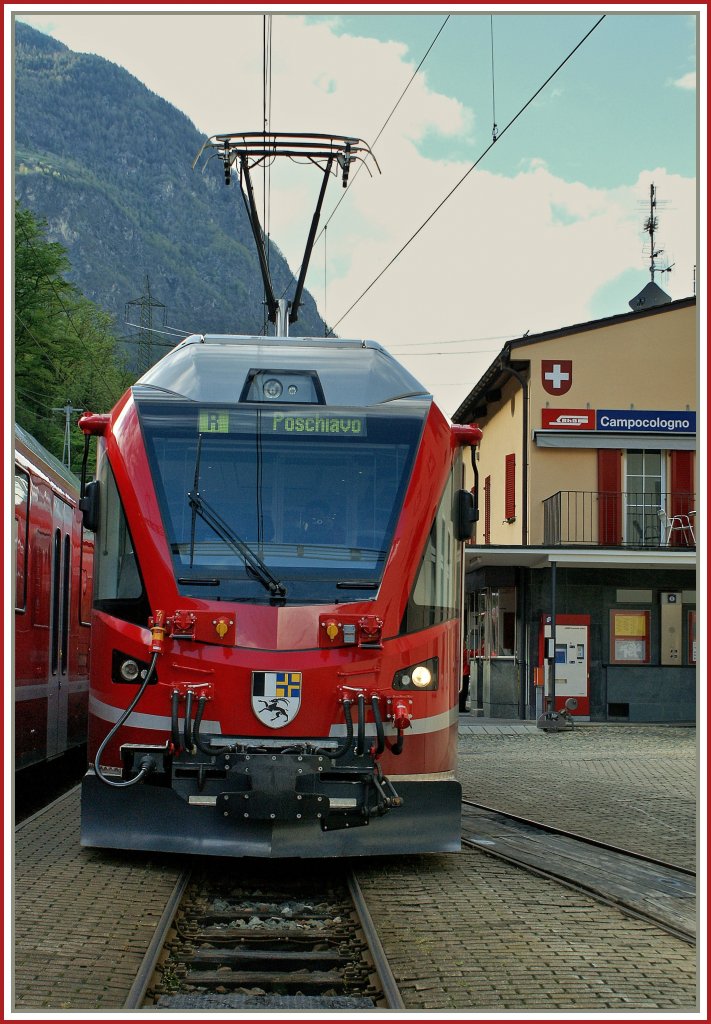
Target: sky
x,y
439,262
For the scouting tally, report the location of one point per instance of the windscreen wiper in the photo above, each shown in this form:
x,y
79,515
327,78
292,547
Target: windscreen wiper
x,y
254,563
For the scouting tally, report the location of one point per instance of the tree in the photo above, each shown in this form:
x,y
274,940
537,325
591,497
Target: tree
x,y
65,351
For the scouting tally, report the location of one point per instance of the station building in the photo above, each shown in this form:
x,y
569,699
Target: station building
x,y
581,578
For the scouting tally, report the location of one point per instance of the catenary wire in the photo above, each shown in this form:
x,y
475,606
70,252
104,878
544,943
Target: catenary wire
x,y
382,129
467,173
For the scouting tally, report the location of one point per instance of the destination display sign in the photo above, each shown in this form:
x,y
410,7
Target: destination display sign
x,y
646,421
226,421
285,423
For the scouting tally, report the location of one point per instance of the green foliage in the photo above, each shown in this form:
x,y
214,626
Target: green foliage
x,y
65,350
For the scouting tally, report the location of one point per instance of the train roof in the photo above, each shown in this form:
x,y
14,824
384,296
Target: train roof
x,y
43,459
219,368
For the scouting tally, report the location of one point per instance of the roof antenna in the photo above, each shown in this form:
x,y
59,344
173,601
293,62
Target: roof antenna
x,y
652,295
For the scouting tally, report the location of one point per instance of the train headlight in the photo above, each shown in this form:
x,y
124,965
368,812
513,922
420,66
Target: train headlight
x,y
126,669
129,670
422,676
272,388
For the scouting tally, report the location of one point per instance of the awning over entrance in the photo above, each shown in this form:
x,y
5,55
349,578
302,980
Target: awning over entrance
x,y
604,439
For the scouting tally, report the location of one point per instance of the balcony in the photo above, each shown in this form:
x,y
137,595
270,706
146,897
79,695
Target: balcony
x,y
620,519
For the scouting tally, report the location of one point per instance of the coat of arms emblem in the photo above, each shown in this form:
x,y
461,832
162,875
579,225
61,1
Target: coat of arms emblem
x,y
556,375
276,697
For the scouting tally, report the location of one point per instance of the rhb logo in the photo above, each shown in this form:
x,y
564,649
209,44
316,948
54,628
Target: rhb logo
x,y
568,419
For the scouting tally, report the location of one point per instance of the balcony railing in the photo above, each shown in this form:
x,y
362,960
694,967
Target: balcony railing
x,y
620,519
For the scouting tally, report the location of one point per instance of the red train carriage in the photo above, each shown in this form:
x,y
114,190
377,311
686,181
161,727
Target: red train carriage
x,y
53,580
277,605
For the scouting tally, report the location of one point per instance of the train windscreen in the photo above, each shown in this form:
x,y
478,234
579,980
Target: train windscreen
x,y
294,503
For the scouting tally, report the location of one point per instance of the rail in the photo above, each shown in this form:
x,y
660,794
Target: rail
x,y
648,889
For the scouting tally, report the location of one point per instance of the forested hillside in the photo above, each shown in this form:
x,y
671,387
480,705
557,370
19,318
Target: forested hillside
x,y
65,351
108,164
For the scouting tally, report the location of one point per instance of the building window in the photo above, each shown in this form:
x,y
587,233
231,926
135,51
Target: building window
x,y
629,637
502,610
510,494
644,490
493,625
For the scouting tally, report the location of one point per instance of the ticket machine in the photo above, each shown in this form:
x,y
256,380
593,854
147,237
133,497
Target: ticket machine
x,y
572,662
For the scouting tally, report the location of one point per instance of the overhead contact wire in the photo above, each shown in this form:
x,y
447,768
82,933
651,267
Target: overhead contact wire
x,y
468,172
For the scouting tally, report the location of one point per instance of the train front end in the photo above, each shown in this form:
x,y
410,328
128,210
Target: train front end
x,y
276,629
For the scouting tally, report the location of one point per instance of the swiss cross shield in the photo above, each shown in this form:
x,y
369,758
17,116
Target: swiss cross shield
x,y
556,375
276,697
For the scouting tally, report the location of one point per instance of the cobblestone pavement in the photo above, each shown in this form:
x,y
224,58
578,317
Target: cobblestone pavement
x,y
470,932
463,932
83,919
630,786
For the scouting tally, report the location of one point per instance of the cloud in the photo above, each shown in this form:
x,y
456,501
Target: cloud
x,y
687,81
506,253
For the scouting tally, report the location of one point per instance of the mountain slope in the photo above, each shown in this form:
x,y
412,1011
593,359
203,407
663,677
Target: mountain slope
x,y
108,164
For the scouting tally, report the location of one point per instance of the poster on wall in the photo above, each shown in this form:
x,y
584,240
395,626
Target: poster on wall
x,y
629,637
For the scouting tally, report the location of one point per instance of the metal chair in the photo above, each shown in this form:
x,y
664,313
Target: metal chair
x,y
681,521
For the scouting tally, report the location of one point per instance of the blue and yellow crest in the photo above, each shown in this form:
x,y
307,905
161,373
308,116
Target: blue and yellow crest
x,y
276,697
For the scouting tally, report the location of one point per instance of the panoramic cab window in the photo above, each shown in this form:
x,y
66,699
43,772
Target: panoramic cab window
x,y
286,502
435,596
118,587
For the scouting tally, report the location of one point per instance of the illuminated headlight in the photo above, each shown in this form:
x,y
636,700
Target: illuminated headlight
x,y
272,388
423,676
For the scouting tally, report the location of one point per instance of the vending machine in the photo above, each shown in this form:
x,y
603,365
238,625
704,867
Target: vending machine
x,y
572,662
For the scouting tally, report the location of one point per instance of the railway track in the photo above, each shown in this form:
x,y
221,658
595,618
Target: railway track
x,y
286,937
660,893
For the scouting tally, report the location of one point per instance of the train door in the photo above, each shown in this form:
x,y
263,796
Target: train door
x,y
58,681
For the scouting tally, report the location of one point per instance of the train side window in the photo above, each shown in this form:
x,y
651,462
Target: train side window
x,y
436,594
56,580
21,527
66,584
118,586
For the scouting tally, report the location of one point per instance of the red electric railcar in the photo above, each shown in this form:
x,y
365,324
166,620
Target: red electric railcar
x,y
53,581
277,605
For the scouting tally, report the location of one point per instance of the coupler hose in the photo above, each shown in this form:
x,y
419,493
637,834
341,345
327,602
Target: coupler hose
x,y
147,764
360,743
174,725
396,748
188,724
344,747
202,701
379,731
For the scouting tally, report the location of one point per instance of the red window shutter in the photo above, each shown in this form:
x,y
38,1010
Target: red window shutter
x,y
609,486
487,510
510,497
682,499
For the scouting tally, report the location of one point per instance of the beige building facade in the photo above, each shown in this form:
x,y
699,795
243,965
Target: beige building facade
x,y
581,578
